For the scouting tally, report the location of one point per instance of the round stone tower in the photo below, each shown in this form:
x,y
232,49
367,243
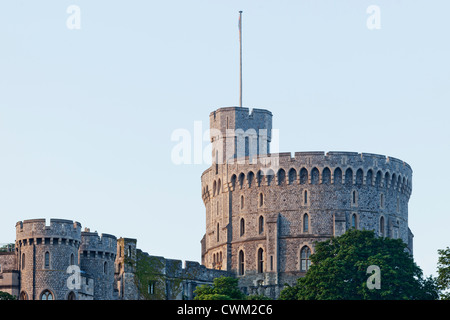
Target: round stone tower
x,y
264,212
44,252
97,256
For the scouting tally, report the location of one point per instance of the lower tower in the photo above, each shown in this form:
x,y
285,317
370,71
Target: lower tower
x,y
44,254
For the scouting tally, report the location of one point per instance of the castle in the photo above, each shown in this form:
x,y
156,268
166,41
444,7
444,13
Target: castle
x,y
264,213
59,261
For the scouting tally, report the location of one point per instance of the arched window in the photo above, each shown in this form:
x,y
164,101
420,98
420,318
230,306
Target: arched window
x,y
292,176
259,177
261,199
46,295
305,260
305,197
23,261
369,177
349,176
242,227
241,263
218,238
281,175
105,267
381,200
250,177
71,296
315,176
387,179
305,223
214,188
303,176
359,177
393,181
260,260
233,181
261,224
72,259
47,260
23,296
378,179
354,221
241,180
219,187
382,226
354,197
326,176
337,176
242,202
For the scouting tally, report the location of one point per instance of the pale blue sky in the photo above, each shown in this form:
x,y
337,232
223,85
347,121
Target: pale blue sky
x,y
86,116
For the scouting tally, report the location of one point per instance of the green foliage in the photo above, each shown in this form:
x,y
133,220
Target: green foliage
x,y
7,247
6,296
339,271
258,297
213,297
151,277
223,288
443,279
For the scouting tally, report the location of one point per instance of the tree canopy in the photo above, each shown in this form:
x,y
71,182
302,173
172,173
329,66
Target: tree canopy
x,y
443,278
340,271
6,296
223,288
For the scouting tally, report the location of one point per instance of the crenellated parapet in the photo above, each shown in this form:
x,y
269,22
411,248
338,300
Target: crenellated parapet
x,y
58,231
314,168
93,242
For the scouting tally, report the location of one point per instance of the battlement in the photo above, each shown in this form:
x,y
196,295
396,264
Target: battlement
x,y
91,241
322,159
243,112
311,167
58,228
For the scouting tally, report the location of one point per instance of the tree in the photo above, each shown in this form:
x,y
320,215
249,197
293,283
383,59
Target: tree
x,y
443,279
340,265
223,288
6,296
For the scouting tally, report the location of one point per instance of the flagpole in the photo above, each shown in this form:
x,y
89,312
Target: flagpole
x,y
240,59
